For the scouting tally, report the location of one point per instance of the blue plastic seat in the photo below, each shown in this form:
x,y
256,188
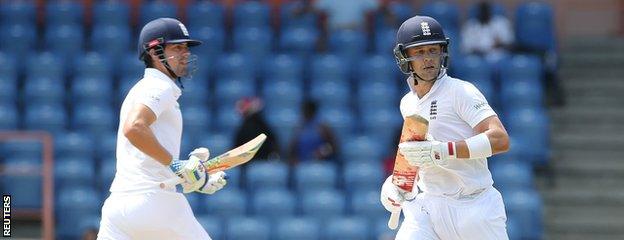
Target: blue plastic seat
x,y
22,148
323,204
267,175
497,9
340,120
299,40
131,67
385,40
197,119
329,66
22,180
474,69
377,95
93,64
273,203
64,12
255,42
218,143
111,13
195,94
95,119
512,174
530,126
73,144
251,14
360,176
279,95
362,148
8,90
285,67
534,26
344,227
91,89
230,90
66,40
381,230
521,94
378,68
111,40
74,172
302,228
234,176
106,174
227,203
283,120
8,116
18,13
235,65
521,68
446,13
45,64
213,225
289,17
44,90
18,39
205,14
331,94
348,43
50,117
243,228
8,68
311,176
525,207
366,203
157,9
73,206
213,38
379,123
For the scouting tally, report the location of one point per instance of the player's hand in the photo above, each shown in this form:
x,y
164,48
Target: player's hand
x,y
215,182
192,171
427,153
202,153
392,197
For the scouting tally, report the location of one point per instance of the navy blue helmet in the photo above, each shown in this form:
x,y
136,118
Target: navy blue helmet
x,y
418,31
163,31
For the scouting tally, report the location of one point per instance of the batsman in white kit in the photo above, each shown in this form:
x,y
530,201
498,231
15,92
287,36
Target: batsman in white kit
x,y
454,197
148,146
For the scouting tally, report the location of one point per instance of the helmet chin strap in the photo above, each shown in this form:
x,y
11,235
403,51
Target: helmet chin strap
x,y
160,52
441,74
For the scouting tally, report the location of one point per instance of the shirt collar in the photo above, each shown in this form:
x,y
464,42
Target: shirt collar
x,y
158,75
410,82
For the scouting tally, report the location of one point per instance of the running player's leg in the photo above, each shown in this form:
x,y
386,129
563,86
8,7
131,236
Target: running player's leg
x,y
111,224
417,223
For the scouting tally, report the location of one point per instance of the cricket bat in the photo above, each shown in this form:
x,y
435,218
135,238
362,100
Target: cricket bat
x,y
404,175
237,156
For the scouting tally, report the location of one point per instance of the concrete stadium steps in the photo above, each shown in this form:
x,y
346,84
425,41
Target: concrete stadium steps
x,y
586,198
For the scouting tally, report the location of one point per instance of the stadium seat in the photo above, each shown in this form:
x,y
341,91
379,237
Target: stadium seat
x,y
157,9
340,121
329,66
8,90
513,229
251,14
283,67
227,203
446,13
289,17
45,64
382,124
378,68
18,39
474,69
366,203
323,204
106,174
521,68
234,176
300,41
525,207
48,116
66,40
231,89
378,95
74,172
213,39
255,42
243,228
22,180
195,94
331,94
385,40
512,174
93,64
301,228
530,126
73,205
401,10
497,9
112,41
213,225
273,204
266,175
362,148
342,228
9,116
44,90
95,119
92,89
283,121
360,176
111,13
349,44
64,12
205,14
282,94
218,143
18,13
22,148
73,144
235,65
534,26
131,67
521,94
315,175
381,230
8,68
197,119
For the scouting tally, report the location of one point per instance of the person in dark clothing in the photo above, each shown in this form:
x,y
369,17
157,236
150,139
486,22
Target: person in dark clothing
x,y
254,124
313,139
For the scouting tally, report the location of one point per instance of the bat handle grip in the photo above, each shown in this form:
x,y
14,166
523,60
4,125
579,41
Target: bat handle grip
x,y
393,222
172,182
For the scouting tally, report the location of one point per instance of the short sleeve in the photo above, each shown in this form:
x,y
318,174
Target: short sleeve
x,y
156,99
472,106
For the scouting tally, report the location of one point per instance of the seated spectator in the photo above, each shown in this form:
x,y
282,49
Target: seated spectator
x,y
313,139
253,124
489,35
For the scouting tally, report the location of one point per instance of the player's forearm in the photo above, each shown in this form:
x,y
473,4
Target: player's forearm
x,y
499,143
143,138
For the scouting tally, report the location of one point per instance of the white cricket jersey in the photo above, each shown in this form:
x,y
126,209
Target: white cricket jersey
x,y
453,108
135,169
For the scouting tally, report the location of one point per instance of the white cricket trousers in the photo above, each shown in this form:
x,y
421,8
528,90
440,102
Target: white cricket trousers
x,y
429,217
156,214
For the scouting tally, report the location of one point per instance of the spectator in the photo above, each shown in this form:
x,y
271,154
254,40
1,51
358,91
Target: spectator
x,y
344,14
253,124
488,35
313,139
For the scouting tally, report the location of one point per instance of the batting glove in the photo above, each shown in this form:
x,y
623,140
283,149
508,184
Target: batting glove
x,y
392,197
215,182
428,153
192,171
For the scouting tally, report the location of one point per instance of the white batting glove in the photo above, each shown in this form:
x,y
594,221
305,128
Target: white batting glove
x,y
392,197
192,171
428,153
216,182
202,153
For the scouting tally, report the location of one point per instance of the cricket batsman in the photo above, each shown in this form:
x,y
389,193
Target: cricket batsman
x,y
148,146
454,198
